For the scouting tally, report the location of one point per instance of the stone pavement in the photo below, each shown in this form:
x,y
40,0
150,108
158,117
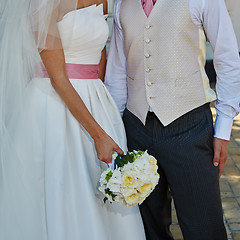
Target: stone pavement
x,y
230,188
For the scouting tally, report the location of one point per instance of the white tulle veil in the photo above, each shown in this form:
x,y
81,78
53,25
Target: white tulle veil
x,y
26,28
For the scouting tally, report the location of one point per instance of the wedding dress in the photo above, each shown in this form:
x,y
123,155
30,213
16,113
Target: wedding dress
x,y
62,166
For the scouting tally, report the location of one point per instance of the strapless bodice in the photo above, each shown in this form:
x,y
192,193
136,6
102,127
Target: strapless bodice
x,y
88,32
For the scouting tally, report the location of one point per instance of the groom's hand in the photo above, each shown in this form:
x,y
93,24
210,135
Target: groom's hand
x,y
220,148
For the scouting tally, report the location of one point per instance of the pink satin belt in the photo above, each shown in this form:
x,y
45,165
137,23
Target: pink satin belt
x,y
79,71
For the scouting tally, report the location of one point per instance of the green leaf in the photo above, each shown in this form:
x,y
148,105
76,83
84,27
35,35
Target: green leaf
x,y
108,176
113,196
122,160
110,193
130,157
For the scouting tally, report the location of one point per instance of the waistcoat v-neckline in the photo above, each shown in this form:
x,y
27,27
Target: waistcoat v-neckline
x,y
152,11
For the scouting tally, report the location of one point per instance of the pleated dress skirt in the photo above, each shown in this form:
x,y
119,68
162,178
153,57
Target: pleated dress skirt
x,y
50,183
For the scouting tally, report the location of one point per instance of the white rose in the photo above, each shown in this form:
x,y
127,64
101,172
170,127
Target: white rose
x,y
144,156
114,187
132,200
128,191
119,199
145,188
103,180
142,164
152,160
116,177
128,167
142,197
102,189
103,176
129,179
114,182
139,165
145,177
153,164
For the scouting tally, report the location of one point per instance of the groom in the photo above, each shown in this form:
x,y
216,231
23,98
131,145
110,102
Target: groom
x,y
156,75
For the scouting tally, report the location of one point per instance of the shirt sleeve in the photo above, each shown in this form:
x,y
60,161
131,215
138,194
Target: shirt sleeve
x,y
115,78
214,17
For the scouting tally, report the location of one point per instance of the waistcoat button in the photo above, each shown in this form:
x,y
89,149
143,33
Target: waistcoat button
x,y
147,69
147,40
147,26
149,84
147,55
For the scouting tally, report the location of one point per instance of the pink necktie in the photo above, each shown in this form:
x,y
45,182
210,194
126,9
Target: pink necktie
x,y
148,5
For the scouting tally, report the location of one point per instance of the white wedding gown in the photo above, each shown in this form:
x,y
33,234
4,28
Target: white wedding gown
x,y
49,188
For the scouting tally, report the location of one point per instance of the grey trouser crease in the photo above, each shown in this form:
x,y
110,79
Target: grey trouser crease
x,y
184,150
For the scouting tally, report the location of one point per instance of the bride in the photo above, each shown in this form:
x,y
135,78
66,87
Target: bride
x,y
57,120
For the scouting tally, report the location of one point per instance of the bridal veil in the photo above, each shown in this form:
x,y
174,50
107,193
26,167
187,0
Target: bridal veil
x,y
26,28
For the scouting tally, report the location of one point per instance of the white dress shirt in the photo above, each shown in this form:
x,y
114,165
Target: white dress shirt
x,y
214,17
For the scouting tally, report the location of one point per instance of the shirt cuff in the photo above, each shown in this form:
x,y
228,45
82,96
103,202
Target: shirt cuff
x,y
223,127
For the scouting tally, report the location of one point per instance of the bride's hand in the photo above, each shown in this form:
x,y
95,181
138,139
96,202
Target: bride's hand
x,y
105,147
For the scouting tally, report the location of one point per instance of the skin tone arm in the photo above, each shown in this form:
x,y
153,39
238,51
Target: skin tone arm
x,y
54,62
102,64
220,148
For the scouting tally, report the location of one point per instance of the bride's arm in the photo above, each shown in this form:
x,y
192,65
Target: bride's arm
x,y
102,65
54,62
103,61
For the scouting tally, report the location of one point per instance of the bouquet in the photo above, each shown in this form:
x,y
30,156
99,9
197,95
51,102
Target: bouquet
x,y
130,178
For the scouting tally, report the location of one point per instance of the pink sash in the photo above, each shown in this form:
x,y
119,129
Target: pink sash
x,y
79,71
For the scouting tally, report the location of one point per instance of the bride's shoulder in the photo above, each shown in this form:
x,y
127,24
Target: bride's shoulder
x,y
105,5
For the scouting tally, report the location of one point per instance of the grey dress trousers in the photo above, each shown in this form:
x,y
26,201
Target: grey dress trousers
x,y
184,151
